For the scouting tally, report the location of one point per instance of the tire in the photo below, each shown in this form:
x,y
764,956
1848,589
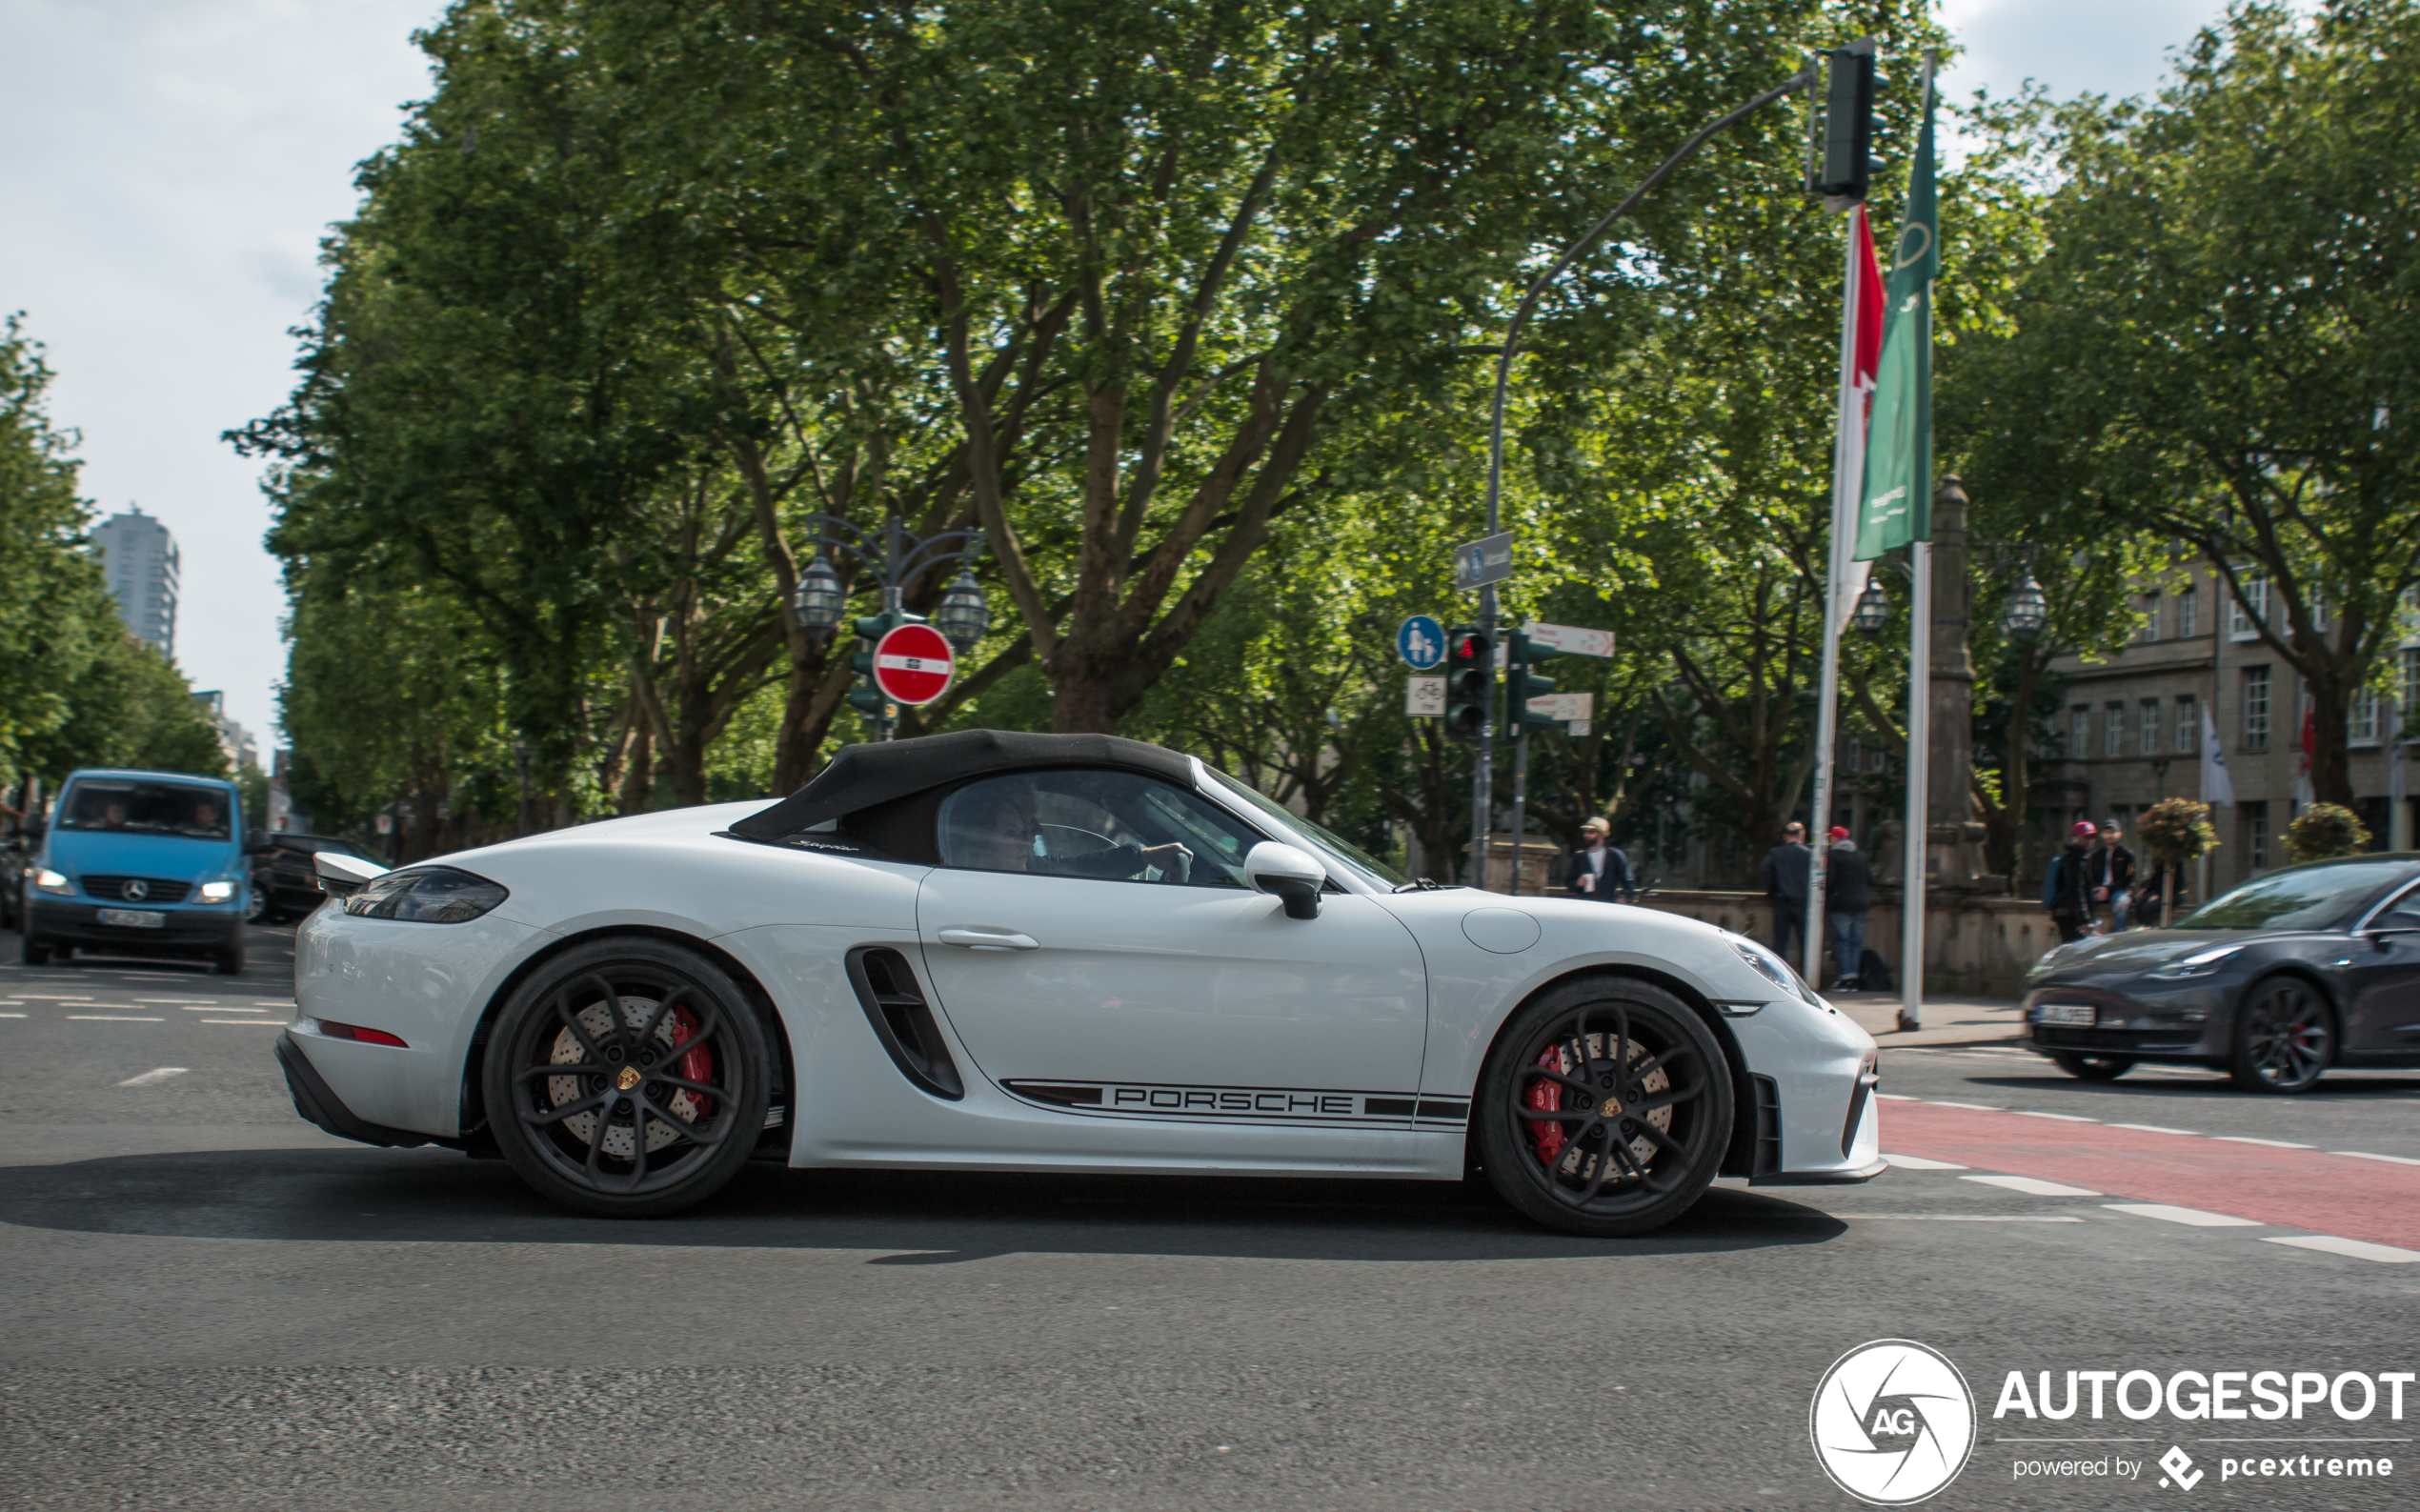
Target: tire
x,y
2094,1068
2284,1035
231,961
34,953
1558,1055
256,909
574,1134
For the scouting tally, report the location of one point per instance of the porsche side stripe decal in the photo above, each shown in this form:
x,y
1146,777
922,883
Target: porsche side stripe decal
x,y
1254,1105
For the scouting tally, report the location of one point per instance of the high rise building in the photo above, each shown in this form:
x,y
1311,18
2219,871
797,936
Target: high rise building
x,y
138,557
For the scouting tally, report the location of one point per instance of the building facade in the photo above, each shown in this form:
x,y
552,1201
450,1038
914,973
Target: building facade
x,y
138,557
2132,728
243,751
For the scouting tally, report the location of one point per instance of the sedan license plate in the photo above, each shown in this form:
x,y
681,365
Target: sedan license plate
x,y
132,918
2075,1015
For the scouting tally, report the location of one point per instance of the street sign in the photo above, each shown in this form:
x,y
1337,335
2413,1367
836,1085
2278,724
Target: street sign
x,y
1485,561
1421,642
1424,697
1564,705
1571,638
913,664
1577,729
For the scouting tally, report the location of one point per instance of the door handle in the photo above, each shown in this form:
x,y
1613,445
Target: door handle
x,y
989,940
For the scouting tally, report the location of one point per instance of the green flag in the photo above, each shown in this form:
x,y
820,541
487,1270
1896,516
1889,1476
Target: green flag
x,y
1896,506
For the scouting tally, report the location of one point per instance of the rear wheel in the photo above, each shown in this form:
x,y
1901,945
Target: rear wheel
x,y
2094,1068
1604,1108
628,1078
2284,1035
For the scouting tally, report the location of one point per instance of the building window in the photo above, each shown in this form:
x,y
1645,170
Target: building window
x,y
2255,708
2151,616
2189,608
2361,723
2256,835
2242,625
2151,738
2080,732
2188,724
2113,736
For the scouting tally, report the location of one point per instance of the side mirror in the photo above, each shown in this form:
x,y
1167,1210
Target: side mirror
x,y
1286,872
257,842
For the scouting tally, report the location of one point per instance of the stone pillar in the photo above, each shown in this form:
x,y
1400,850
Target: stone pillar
x,y
1955,861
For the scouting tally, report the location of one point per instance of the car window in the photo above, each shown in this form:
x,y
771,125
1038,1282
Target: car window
x,y
1108,826
2305,898
147,808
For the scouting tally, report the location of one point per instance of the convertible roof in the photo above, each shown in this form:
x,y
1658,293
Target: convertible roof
x,y
863,775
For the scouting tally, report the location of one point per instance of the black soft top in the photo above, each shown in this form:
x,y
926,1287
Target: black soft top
x,y
862,777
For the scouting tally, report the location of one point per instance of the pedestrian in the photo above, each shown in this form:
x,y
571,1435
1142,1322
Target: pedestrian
x,y
2065,891
2112,876
1598,870
1848,897
1786,869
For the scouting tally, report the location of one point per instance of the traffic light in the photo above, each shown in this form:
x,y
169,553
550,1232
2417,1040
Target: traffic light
x,y
1470,681
1522,682
1845,162
867,698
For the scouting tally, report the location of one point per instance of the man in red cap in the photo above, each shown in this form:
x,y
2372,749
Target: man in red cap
x,y
1848,897
2065,891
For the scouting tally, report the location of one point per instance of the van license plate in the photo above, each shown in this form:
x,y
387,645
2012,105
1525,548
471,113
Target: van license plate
x,y
132,918
2072,1014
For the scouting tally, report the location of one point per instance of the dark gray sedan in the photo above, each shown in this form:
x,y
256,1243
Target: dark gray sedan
x,y
2310,967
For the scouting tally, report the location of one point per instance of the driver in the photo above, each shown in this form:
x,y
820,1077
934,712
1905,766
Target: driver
x,y
205,815
993,829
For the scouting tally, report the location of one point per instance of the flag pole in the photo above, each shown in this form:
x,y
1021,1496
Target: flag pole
x,y
1847,452
1911,946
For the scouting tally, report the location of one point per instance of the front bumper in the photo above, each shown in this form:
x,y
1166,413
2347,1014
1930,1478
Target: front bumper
x,y
2184,1022
185,931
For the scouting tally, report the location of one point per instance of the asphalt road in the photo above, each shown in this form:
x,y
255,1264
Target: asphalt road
x,y
209,1303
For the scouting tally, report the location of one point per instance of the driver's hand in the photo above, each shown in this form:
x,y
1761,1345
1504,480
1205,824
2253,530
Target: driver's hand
x,y
1165,857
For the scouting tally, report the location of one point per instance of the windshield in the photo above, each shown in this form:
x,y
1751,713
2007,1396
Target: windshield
x,y
1361,862
2310,897
146,808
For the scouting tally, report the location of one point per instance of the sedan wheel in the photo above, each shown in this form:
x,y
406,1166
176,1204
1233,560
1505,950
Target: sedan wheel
x,y
2285,1036
1604,1108
2094,1068
630,1079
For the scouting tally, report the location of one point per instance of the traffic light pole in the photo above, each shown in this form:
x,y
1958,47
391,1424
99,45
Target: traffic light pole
x,y
1483,783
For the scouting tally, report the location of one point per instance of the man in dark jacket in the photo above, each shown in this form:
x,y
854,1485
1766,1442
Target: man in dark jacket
x,y
2066,893
2112,873
1848,897
1786,869
1597,870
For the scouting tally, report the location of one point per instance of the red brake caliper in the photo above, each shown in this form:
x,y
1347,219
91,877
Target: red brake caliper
x,y
1547,1097
698,1065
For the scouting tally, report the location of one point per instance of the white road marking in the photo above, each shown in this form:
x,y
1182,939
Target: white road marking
x,y
2191,1217
216,1008
11,1016
1960,1217
116,1019
2154,1128
1917,1162
2246,1139
2358,1249
153,1078
1978,1107
2364,1155
2031,1186
266,1022
2063,1118
172,1002
1897,1097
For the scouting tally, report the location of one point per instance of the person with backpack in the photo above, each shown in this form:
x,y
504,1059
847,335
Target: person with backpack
x,y
2064,889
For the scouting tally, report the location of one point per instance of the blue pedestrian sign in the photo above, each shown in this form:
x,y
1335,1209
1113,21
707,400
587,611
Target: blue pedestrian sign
x,y
1421,642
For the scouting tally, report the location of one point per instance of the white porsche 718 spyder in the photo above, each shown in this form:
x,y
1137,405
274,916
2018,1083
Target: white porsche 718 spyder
x,y
1051,953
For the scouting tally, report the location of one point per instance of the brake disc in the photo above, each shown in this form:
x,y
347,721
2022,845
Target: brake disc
x,y
598,1023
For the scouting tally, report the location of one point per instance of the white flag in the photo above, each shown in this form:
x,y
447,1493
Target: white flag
x,y
2216,788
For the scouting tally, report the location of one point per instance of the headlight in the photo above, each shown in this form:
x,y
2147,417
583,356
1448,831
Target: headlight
x,y
1773,969
50,882
217,892
426,895
2201,964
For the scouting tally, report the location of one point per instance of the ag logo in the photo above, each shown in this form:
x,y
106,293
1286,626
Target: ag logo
x,y
1892,1422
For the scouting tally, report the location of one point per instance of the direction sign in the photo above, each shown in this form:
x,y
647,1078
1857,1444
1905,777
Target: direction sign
x,y
1424,697
913,664
1571,638
1485,561
1421,642
1564,705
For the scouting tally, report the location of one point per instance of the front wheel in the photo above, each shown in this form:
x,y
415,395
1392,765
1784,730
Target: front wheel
x,y
628,1078
2094,1068
1604,1108
2284,1035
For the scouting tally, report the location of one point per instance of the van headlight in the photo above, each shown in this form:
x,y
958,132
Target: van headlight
x,y
49,882
217,892
425,895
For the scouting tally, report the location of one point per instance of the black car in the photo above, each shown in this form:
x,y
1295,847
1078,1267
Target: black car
x,y
283,880
2305,968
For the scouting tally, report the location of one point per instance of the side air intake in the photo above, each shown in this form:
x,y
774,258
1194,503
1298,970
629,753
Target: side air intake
x,y
903,1021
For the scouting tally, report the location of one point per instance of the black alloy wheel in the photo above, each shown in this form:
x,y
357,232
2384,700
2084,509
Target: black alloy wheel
x,y
1604,1108
2284,1035
2094,1068
628,1077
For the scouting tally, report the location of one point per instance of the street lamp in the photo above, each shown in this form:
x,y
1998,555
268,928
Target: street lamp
x,y
963,616
894,560
1873,608
2028,610
819,600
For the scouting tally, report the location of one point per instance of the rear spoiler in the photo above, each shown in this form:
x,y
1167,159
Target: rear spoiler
x,y
342,876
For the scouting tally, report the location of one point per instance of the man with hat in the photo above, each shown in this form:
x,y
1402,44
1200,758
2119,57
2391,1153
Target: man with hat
x,y
1598,870
1848,897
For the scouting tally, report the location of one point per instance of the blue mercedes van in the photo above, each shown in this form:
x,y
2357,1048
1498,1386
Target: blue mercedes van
x,y
142,863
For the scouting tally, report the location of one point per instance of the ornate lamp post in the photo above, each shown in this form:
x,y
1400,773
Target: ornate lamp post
x,y
894,560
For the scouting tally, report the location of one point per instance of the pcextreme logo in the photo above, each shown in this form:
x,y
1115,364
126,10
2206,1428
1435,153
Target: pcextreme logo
x,y
1892,1422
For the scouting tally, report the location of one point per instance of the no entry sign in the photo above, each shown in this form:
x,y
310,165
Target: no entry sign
x,y
913,664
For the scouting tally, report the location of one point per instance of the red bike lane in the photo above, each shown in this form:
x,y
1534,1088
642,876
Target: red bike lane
x,y
2306,1189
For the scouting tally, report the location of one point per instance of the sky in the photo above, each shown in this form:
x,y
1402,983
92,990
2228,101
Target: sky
x,y
168,169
